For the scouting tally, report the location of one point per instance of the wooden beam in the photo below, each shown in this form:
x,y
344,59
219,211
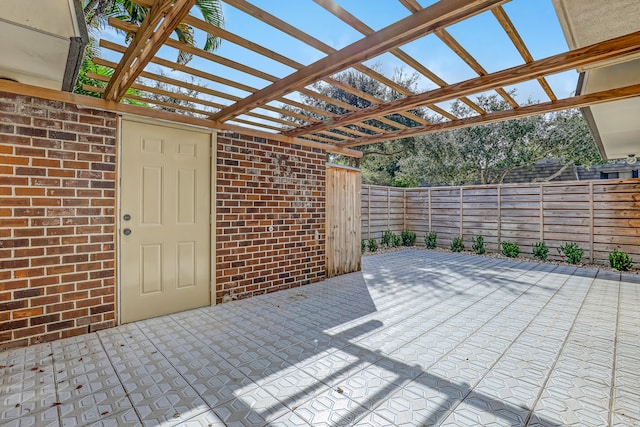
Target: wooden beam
x,y
207,76
499,116
455,46
619,46
118,107
439,15
223,34
116,23
161,20
513,34
413,6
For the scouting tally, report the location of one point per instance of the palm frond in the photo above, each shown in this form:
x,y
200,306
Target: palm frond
x,y
185,34
211,11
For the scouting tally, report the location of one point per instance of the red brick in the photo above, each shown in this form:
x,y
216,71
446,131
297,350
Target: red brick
x,y
43,320
15,324
27,312
29,332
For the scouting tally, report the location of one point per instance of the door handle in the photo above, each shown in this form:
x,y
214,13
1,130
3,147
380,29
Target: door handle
x,y
126,231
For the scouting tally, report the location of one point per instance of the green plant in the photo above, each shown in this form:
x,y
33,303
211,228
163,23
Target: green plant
x,y
478,245
408,238
387,238
457,245
430,239
373,245
620,260
396,241
363,246
540,251
510,249
573,252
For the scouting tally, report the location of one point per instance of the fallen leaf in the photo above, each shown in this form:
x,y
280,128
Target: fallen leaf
x,y
2,366
176,415
340,390
79,386
104,413
50,354
80,360
34,369
56,404
17,405
41,370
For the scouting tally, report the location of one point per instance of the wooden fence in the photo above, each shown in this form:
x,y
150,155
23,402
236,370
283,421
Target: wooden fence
x,y
598,215
343,220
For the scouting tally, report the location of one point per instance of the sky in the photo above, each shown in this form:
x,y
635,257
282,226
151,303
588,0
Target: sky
x,y
481,35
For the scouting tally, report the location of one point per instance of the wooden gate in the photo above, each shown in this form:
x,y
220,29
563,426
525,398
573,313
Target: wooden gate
x,y
343,220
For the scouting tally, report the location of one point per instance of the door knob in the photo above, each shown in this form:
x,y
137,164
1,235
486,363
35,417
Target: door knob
x,y
126,217
126,231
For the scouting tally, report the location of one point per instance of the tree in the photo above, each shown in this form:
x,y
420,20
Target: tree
x,y
487,153
379,164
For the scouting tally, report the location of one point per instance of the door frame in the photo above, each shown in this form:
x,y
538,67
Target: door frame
x,y
212,197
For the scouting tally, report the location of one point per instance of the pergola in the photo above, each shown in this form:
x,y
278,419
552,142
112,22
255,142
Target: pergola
x,y
273,109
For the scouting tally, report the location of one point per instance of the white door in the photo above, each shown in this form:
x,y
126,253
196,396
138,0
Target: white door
x,y
165,234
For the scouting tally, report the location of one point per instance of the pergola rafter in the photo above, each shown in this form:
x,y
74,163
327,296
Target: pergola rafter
x,y
156,28
499,116
295,107
439,15
623,45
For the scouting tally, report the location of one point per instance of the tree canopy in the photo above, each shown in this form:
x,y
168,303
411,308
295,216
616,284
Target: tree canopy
x,y
486,154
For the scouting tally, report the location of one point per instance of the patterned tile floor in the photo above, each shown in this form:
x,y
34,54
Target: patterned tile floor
x,y
417,338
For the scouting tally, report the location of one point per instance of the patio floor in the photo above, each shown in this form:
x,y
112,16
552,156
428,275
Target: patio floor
x,y
416,338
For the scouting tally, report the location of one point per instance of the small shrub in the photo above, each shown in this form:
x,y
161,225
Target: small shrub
x,y
430,239
396,241
373,245
387,238
620,260
408,238
573,252
540,251
363,246
457,245
510,249
478,245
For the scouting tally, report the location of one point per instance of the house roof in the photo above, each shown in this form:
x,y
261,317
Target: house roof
x,y
614,124
230,103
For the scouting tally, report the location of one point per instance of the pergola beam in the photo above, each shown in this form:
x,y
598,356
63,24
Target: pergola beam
x,y
619,46
439,15
515,37
529,110
161,20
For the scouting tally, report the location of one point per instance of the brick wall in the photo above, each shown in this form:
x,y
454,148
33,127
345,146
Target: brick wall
x,y
57,200
261,184
57,217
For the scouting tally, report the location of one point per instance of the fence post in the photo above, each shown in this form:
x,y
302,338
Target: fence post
x,y
388,208
499,214
461,213
429,197
404,209
541,213
591,221
369,213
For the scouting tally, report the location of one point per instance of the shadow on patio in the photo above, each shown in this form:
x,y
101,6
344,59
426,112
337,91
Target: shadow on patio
x,y
417,338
